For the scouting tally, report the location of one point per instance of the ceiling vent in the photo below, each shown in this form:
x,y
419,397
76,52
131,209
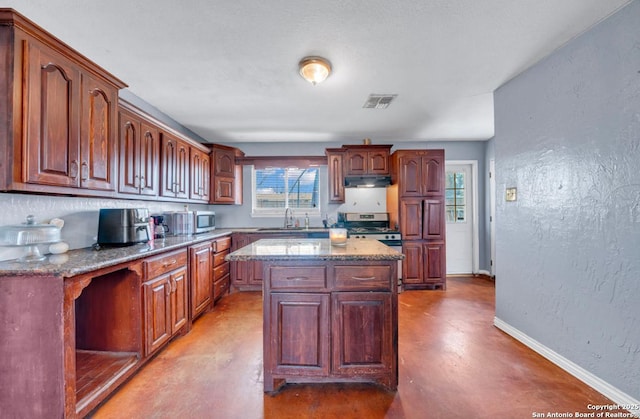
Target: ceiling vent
x,y
378,101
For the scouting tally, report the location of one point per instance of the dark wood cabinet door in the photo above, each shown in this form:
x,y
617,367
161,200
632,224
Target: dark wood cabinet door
x,y
299,323
335,162
98,146
433,173
433,224
169,157
378,162
411,218
179,299
224,163
410,168
201,270
157,312
205,177
52,131
139,154
224,190
199,175
149,159
356,163
435,266
412,263
362,327
174,167
129,139
182,171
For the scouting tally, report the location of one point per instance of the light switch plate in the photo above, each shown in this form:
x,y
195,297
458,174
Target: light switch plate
x,y
511,194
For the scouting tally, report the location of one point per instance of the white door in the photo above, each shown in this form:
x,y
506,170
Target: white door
x,y
459,209
492,215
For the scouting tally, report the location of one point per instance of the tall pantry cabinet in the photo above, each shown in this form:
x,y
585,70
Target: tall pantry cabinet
x,y
415,203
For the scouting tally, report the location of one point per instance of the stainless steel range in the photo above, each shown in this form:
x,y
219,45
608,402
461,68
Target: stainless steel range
x,y
373,225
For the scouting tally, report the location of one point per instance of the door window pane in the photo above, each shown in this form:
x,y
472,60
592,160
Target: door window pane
x,y
455,197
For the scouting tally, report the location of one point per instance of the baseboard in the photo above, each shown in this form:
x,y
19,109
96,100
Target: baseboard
x,y
485,273
619,397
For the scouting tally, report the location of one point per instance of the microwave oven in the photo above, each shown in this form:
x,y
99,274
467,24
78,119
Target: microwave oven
x,y
204,221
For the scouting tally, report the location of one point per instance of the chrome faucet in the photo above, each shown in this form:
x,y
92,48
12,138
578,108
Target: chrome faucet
x,y
288,218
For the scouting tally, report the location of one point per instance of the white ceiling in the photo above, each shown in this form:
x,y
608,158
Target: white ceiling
x,y
228,70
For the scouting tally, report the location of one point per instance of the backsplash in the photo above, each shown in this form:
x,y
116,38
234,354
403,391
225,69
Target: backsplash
x,y
364,200
79,214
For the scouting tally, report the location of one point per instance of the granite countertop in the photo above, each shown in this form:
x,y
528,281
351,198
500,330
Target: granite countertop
x,y
79,261
300,249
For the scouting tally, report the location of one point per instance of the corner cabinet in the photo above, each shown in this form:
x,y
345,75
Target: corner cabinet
x,y
330,321
226,186
64,131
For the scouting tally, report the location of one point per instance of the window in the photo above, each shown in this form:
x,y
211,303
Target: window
x,y
278,188
455,197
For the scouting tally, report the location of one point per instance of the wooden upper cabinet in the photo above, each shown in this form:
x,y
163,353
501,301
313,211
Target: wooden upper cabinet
x,y
98,146
335,174
226,185
174,166
200,175
421,173
225,162
367,160
433,174
60,115
139,154
52,131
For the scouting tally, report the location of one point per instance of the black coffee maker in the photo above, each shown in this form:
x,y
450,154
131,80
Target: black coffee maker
x,y
160,228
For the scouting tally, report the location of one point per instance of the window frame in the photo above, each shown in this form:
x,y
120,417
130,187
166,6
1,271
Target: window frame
x,y
279,212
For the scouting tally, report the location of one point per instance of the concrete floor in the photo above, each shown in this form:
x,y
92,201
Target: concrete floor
x,y
453,363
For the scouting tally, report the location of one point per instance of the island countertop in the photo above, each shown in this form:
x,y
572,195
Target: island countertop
x,y
318,249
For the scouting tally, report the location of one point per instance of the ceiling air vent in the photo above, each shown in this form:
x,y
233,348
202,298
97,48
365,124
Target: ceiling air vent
x,y
378,101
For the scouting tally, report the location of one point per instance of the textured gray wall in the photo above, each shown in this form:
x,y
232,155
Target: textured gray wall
x,y
568,250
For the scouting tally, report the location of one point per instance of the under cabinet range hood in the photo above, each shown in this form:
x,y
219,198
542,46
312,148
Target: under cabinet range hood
x,y
370,181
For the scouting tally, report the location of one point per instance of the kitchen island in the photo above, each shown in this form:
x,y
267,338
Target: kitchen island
x,y
330,312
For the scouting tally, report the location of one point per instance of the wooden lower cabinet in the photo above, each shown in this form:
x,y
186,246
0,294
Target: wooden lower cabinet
x,y
165,294
300,324
424,265
201,277
362,331
326,323
221,268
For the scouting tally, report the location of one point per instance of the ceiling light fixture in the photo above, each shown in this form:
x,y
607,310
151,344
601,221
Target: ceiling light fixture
x,y
314,69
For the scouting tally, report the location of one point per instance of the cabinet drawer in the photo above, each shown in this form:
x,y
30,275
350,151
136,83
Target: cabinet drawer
x,y
223,243
298,277
220,271
363,277
165,263
218,258
220,287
